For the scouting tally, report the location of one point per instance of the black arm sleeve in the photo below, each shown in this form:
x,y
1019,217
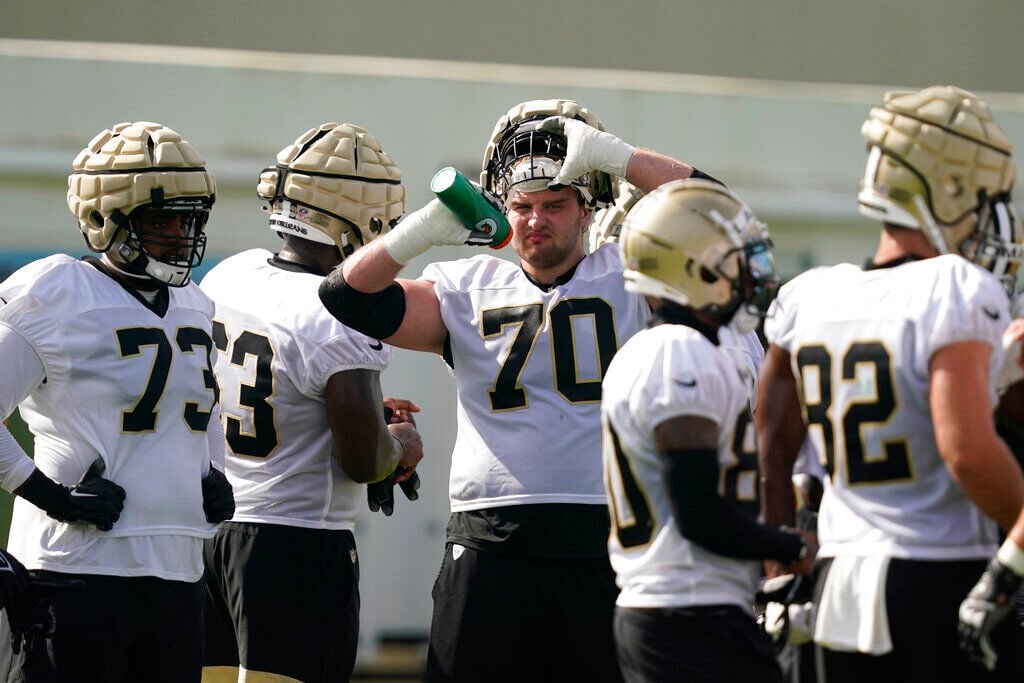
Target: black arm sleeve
x,y
705,518
378,315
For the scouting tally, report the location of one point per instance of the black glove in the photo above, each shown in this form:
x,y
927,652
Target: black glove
x,y
988,603
94,500
381,495
13,579
29,615
218,497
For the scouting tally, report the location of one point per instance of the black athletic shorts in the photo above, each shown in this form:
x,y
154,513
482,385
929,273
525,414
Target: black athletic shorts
x,y
922,602
117,629
712,643
283,600
500,618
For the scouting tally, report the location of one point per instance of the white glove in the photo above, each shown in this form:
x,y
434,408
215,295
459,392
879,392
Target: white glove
x,y
433,225
801,622
989,602
587,149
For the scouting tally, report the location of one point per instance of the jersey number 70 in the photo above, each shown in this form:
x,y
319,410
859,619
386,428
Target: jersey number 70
x,y
507,393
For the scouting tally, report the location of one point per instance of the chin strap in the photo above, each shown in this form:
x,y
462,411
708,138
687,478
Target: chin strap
x,y
930,227
120,268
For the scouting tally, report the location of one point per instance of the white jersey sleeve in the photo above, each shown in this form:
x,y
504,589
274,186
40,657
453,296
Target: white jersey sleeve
x,y
278,347
661,373
528,364
20,373
861,342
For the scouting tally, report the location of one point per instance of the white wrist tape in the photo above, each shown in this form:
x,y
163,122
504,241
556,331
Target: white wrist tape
x,y
611,154
404,245
589,149
1011,556
433,225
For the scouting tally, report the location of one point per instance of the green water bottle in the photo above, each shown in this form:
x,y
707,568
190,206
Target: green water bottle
x,y
476,213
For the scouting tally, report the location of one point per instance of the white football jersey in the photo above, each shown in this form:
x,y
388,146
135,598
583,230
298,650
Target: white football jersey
x,y
528,364
665,372
127,385
861,342
278,348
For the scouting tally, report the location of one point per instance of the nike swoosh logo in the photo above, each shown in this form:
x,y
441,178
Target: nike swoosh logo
x,y
79,494
377,347
994,314
688,382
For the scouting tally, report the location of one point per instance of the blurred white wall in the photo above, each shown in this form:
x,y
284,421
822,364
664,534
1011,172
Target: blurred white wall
x,y
792,150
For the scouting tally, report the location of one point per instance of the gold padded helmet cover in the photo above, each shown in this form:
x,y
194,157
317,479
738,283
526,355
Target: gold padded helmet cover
x,y
607,225
334,185
124,168
934,157
530,169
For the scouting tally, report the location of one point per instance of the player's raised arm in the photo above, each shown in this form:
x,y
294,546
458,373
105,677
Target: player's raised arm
x,y
365,295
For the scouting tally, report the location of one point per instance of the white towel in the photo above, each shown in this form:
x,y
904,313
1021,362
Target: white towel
x,y
851,613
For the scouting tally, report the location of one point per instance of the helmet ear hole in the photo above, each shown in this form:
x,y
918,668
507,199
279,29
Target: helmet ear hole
x,y
96,219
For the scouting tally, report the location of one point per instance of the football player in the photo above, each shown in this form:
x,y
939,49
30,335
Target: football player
x,y
891,367
680,467
303,416
525,558
110,361
607,227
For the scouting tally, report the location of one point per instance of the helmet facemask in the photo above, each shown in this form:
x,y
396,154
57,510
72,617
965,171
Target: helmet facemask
x,y
997,244
755,287
150,248
522,156
529,158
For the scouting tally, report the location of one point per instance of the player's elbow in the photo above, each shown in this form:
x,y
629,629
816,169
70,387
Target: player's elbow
x,y
965,450
376,314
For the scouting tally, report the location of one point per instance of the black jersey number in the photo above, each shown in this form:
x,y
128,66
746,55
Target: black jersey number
x,y
861,467
507,392
130,343
252,395
631,516
741,480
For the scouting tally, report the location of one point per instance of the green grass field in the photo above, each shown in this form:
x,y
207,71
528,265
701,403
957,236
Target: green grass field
x,y
21,433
